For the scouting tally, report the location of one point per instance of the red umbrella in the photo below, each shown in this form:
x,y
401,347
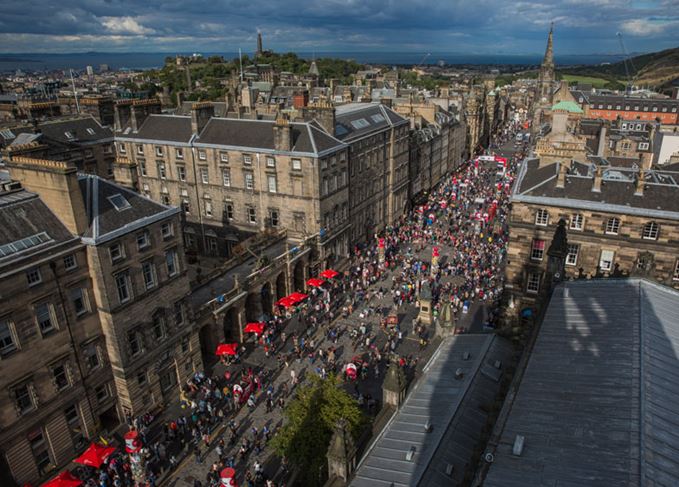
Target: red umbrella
x,y
329,274
315,282
286,302
227,349
297,297
254,328
95,455
64,479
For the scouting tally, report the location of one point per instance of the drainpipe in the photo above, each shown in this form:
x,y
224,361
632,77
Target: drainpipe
x,y
195,180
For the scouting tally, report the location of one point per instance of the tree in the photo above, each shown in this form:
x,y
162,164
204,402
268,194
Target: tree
x,y
310,420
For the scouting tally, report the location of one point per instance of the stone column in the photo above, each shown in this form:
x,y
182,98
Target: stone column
x,y
394,386
341,452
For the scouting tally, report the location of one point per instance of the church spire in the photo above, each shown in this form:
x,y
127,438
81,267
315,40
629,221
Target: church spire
x,y
549,52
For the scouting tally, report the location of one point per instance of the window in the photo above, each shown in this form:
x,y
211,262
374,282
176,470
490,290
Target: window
x,y
33,276
142,168
179,153
606,260
119,202
643,145
274,218
7,342
577,221
166,230
537,249
60,376
158,327
102,393
223,157
123,286
79,300
675,273
143,240
40,451
186,207
533,283
70,262
613,226
142,377
249,180
650,231
208,208
116,252
171,262
572,256
178,313
296,164
44,314
181,172
226,177
161,170
88,153
542,218
325,187
270,162
121,148
204,175
134,342
23,398
140,149
252,215
247,159
71,414
148,270
91,353
271,181
159,151
165,199
202,155
324,164
228,211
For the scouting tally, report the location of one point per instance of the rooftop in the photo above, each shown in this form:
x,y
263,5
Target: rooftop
x,y
355,120
598,403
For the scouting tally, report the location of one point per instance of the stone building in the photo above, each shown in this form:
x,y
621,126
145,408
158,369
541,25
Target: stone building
x,y
544,90
378,166
57,386
139,279
234,177
620,221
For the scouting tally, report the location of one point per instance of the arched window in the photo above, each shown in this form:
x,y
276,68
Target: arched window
x,y
650,231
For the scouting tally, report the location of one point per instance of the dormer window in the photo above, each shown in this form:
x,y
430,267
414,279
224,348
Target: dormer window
x,y
69,135
119,202
91,131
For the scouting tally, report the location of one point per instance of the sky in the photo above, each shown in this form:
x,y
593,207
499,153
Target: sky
x,y
452,26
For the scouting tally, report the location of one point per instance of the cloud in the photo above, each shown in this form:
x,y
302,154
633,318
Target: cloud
x,y
125,25
648,27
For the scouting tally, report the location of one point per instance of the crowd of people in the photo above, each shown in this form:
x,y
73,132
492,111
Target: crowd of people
x,y
464,218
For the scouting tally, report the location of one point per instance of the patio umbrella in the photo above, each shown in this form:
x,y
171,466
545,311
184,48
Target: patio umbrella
x,y
286,302
315,282
254,328
329,274
95,455
297,297
227,349
64,479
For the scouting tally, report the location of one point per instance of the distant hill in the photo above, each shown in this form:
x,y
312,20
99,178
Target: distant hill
x,y
658,70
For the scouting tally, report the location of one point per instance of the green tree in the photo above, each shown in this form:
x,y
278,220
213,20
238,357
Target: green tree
x,y
310,421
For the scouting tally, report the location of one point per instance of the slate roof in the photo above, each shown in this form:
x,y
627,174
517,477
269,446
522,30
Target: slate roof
x,y
166,128
105,221
450,405
355,120
660,198
598,404
78,128
23,215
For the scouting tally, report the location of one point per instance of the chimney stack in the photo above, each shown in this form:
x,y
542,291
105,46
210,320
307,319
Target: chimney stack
x,y
121,115
639,190
597,180
140,110
561,177
282,133
201,113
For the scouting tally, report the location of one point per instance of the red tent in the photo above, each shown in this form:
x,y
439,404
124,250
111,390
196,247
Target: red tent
x,y
64,479
286,302
297,297
254,328
95,455
315,282
227,349
329,274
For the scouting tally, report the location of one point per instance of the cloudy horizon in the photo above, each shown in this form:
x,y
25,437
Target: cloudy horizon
x,y
479,27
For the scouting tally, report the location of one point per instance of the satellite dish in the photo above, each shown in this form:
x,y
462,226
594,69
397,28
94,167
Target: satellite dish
x,y
489,457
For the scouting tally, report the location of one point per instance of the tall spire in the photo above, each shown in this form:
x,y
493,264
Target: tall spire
x,y
549,53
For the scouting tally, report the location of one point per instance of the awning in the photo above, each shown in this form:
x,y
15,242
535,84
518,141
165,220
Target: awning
x,y
95,455
315,282
329,273
227,349
64,479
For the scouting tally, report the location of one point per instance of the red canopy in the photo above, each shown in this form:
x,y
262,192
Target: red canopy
x,y
329,273
286,301
95,455
64,479
297,297
315,282
254,328
227,349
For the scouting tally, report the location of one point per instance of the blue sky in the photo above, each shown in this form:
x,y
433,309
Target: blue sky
x,y
460,26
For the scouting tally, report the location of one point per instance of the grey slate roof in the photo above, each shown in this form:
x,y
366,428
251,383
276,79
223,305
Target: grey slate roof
x,y
450,405
22,215
375,116
599,401
56,130
105,221
170,128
